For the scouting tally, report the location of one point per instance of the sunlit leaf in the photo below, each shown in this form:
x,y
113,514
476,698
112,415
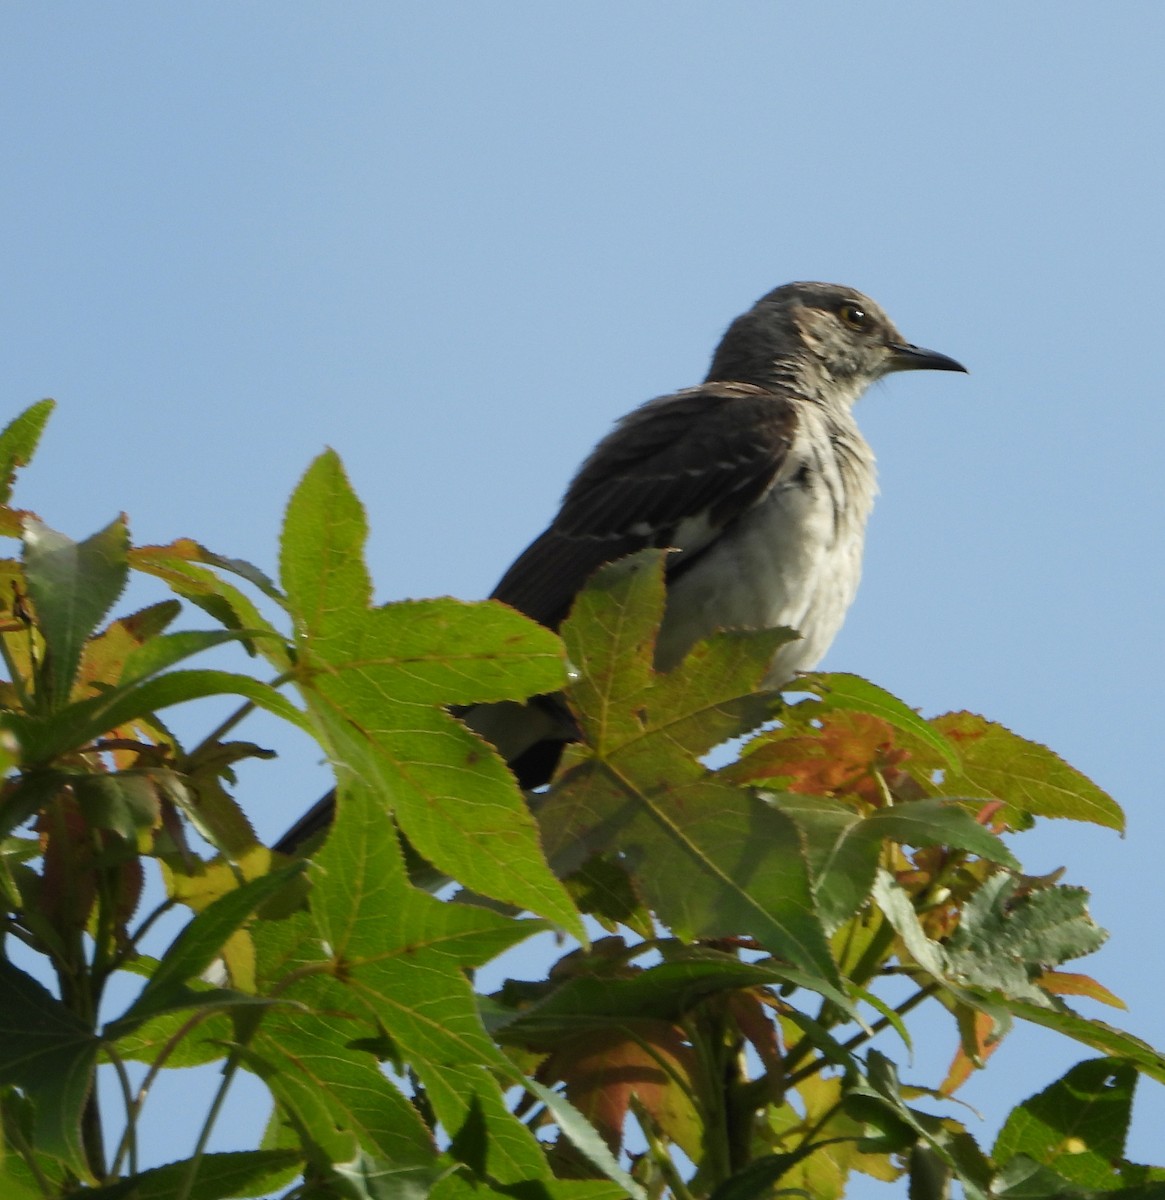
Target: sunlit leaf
x,y
379,681
18,442
1028,777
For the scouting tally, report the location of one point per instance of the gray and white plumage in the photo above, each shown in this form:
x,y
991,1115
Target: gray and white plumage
x,y
759,479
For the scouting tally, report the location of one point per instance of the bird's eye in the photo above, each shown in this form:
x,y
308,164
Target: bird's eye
x,y
854,316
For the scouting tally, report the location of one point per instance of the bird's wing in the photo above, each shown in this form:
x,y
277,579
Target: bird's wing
x,y
675,472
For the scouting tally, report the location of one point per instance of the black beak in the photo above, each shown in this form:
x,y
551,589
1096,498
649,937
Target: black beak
x,y
904,357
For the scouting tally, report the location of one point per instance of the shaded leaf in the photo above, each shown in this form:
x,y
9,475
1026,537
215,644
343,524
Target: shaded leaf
x,y
366,1177
844,847
219,1177
639,1060
73,585
125,802
709,858
664,992
757,1180
1077,1125
1008,937
484,1133
1097,1034
49,1053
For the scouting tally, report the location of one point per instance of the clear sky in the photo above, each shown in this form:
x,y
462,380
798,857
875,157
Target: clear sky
x,y
455,241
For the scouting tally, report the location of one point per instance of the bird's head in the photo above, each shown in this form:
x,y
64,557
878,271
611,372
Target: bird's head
x,y
821,336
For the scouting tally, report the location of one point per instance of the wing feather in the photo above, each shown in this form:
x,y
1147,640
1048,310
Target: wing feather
x,y
677,470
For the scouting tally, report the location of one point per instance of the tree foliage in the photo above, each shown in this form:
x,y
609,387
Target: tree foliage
x,y
741,925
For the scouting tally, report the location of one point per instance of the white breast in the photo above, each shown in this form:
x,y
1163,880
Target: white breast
x,y
793,559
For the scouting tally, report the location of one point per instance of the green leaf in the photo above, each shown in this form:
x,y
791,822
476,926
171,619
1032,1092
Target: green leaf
x,y
1097,1034
219,1177
15,1186
336,1094
939,1148
158,654
664,992
709,858
321,556
933,822
462,1186
73,585
377,960
179,564
28,793
49,1053
125,802
185,1043
18,442
1023,1179
896,905
1029,778
407,950
42,740
378,681
366,1177
844,847
484,1134
196,947
1077,1125
1008,937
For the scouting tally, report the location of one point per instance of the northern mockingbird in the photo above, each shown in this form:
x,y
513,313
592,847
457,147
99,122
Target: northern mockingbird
x,y
759,480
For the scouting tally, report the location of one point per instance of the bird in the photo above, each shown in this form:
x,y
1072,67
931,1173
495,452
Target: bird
x,y
758,482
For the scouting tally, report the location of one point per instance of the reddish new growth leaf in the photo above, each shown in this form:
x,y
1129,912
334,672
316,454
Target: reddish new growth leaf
x,y
1068,983
981,1038
647,1060
843,755
74,860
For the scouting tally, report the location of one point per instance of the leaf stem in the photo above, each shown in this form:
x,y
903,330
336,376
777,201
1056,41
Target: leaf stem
x,y
129,1139
658,1151
906,1006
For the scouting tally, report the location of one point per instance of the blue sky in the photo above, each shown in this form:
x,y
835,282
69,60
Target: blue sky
x,y
455,241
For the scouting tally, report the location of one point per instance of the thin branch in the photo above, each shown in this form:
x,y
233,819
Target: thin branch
x,y
228,1076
